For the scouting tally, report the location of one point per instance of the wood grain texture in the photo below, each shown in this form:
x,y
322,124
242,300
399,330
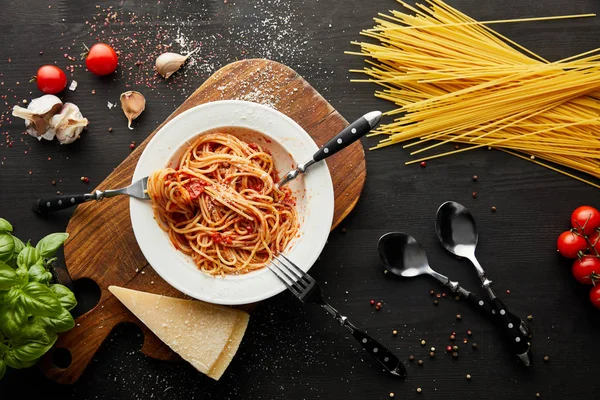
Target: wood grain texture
x,y
102,245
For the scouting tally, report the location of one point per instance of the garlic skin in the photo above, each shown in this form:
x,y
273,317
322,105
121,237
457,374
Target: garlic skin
x,y
68,124
132,103
38,114
168,63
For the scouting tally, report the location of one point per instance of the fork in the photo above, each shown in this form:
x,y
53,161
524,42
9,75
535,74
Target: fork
x,y
307,290
49,204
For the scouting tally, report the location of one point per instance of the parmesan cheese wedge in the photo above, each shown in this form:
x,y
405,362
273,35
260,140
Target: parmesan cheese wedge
x,y
206,335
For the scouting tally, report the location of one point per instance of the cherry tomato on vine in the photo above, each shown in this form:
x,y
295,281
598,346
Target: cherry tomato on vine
x,y
587,270
595,296
50,79
569,244
586,218
101,59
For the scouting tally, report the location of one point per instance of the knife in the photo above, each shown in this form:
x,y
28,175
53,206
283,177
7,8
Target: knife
x,y
346,137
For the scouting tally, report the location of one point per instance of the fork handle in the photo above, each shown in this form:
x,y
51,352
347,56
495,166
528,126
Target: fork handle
x,y
385,357
46,205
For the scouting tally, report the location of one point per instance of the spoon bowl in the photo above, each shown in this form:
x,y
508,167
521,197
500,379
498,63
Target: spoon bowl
x,y
456,229
402,255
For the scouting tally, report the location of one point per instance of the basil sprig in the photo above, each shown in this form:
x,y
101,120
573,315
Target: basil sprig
x,y
33,310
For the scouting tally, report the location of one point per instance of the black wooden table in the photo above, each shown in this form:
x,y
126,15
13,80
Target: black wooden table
x,y
291,350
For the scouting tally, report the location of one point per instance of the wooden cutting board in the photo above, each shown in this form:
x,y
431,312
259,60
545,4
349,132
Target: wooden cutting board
x,y
102,246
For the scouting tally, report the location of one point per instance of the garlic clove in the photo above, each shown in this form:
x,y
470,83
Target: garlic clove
x,y
168,63
37,115
68,124
132,103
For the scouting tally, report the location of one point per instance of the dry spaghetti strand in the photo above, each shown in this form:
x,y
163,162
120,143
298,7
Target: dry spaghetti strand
x,y
220,205
454,79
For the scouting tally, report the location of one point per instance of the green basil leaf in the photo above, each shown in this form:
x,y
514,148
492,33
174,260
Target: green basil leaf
x,y
3,349
60,323
12,296
38,273
33,330
32,350
2,368
19,245
7,246
23,274
8,277
65,296
5,226
12,361
12,319
28,256
49,244
38,300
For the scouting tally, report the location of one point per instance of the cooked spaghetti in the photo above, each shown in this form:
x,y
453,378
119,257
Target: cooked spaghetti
x,y
455,79
221,206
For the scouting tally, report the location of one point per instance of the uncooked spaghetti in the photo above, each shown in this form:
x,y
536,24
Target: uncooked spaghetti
x,y
221,206
457,80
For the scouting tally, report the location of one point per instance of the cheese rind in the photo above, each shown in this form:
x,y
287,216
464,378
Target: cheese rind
x,y
206,335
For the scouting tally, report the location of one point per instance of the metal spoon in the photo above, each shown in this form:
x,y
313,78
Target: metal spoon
x,y
403,256
457,232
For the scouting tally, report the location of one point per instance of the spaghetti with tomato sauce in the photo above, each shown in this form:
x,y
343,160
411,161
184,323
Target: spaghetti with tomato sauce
x,y
220,205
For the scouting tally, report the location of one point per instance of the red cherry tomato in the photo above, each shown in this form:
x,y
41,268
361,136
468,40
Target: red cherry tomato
x,y
595,296
587,270
569,244
101,59
586,218
50,79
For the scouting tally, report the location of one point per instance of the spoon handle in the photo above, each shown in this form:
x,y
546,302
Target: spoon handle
x,y
515,329
484,306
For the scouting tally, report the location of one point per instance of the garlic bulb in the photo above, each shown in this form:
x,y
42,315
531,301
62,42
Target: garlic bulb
x,y
38,114
132,103
168,63
68,124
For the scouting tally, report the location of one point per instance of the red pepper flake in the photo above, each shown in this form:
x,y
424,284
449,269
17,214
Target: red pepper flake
x,y
448,348
507,291
423,164
372,302
132,145
474,195
85,179
93,91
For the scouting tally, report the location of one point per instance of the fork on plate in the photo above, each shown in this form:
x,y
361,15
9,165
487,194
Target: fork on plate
x,y
45,205
307,290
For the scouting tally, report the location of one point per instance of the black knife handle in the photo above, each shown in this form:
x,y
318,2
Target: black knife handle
x,y
56,203
511,328
347,136
385,357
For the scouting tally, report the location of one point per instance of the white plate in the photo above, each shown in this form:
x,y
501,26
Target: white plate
x,y
313,191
